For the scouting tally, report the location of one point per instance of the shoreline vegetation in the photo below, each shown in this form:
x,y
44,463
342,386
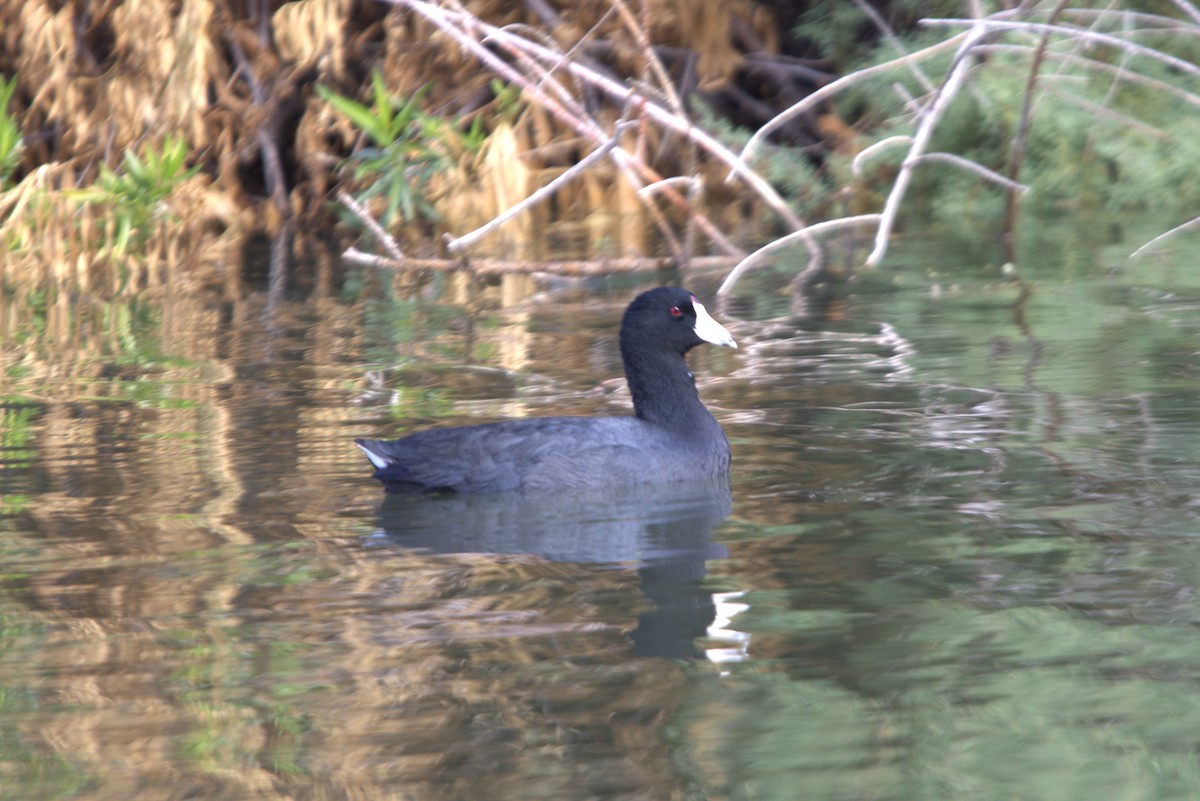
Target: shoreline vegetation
x,y
144,140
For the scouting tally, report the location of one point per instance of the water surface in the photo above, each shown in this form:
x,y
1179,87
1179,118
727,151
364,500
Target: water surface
x,y
959,558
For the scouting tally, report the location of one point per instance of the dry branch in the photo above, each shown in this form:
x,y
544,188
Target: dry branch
x,y
466,240
385,239
1191,225
524,59
1097,66
941,101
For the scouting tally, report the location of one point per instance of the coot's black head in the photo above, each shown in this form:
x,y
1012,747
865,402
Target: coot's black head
x,y
669,319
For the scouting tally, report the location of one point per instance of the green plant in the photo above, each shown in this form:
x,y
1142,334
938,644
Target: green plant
x,y
136,193
508,100
475,137
11,142
403,157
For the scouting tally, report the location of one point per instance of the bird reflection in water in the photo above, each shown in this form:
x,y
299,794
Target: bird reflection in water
x,y
665,531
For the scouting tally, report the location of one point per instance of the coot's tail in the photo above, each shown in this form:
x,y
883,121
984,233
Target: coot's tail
x,y
390,467
376,451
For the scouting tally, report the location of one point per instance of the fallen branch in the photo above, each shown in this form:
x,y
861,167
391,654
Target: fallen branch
x,y
578,267
890,36
856,166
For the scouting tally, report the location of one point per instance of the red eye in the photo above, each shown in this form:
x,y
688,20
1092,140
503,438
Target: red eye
x,y
676,311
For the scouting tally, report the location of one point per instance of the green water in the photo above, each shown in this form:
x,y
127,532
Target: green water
x,y
959,560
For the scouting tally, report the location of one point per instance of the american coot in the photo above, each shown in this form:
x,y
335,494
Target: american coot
x,y
671,436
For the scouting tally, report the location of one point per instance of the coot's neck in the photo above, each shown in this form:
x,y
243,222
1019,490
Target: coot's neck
x,y
664,391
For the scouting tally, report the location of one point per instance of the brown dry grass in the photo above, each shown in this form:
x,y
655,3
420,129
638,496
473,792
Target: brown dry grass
x,y
97,79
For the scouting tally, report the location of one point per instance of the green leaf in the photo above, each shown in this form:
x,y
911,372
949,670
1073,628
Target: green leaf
x,y
133,165
383,106
358,114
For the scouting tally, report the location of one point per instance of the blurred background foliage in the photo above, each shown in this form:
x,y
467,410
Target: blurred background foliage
x,y
213,122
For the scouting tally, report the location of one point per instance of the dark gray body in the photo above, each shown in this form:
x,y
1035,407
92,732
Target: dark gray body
x,y
549,453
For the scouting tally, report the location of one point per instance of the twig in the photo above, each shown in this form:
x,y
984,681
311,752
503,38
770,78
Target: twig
x,y
649,57
688,181
817,228
470,33
1101,14
1110,114
353,254
273,172
978,169
1190,225
466,240
911,104
614,89
1100,66
385,239
868,152
573,110
1183,65
1187,8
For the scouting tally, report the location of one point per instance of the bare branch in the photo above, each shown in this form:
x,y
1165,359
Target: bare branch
x,y
472,27
958,73
796,236
1127,16
1190,225
841,84
1099,66
475,36
890,35
977,168
466,240
649,57
870,151
1189,9
1069,32
1109,114
688,182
